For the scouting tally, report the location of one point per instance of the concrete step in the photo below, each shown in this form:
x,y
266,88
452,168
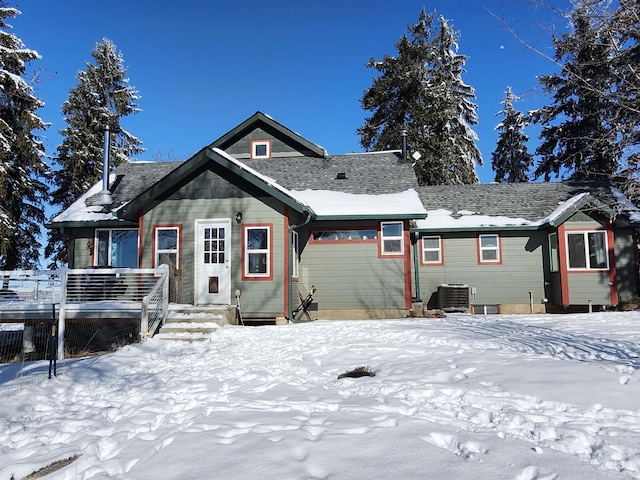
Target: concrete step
x,y
184,337
195,323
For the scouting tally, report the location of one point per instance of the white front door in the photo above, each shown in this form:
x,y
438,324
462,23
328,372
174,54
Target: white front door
x,y
212,262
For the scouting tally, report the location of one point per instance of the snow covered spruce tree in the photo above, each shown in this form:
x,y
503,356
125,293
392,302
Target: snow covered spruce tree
x,y
100,99
421,91
580,135
22,168
511,159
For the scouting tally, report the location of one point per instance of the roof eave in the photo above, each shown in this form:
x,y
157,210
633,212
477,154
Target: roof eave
x,y
385,216
479,228
89,223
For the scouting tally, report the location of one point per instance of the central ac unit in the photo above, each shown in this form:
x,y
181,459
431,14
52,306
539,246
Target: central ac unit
x,y
454,296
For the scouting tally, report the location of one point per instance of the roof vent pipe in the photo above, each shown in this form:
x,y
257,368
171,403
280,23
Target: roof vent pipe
x,y
403,134
105,194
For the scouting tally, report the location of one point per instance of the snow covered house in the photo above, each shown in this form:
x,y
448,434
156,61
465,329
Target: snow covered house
x,y
526,247
265,213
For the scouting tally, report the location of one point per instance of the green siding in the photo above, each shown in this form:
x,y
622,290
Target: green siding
x,y
585,287
352,277
81,253
583,221
521,270
626,273
263,297
279,145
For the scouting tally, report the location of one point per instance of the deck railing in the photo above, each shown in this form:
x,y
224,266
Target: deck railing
x,y
90,289
155,305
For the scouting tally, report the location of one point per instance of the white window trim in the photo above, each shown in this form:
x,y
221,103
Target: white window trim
x,y
585,234
486,249
266,251
551,250
161,251
295,267
256,143
438,249
383,238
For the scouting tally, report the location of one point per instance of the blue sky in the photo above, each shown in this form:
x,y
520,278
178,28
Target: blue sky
x,y
202,67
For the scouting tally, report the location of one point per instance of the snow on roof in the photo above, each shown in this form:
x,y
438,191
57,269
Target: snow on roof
x,y
268,180
562,208
79,211
330,203
443,219
627,205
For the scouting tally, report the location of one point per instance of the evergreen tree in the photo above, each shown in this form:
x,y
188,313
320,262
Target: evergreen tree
x,y
511,160
22,168
580,129
421,91
101,98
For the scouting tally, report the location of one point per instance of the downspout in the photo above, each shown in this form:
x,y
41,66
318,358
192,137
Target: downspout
x,y
416,265
290,272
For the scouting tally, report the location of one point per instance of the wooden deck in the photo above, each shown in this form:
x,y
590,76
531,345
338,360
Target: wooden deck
x,y
18,312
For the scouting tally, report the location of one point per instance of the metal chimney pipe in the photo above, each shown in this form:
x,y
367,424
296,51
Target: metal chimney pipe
x,y
403,134
105,194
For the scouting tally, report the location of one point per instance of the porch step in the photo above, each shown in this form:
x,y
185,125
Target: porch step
x,y
195,323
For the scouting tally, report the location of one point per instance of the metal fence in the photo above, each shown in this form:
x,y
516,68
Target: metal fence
x,y
50,315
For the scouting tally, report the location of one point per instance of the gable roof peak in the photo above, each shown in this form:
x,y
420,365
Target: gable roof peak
x,y
261,120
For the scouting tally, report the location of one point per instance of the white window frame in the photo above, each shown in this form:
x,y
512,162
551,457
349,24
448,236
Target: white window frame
x,y
160,251
258,143
482,249
554,252
385,238
438,249
587,253
96,244
295,266
258,251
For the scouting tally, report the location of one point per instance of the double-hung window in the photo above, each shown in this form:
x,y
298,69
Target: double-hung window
x,y
116,248
587,250
257,251
489,248
392,238
167,246
432,250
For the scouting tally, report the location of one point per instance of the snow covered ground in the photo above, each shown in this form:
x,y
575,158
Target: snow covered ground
x,y
465,397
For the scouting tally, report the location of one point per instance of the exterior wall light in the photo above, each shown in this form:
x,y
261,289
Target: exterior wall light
x,y
239,217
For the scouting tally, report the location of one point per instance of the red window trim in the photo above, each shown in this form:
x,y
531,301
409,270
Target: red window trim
x,y
153,242
432,264
479,253
587,270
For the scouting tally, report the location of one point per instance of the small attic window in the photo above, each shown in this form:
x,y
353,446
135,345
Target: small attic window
x,y
341,176
261,149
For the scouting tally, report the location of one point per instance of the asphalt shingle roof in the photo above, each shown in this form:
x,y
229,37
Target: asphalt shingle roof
x,y
379,173
531,201
366,173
